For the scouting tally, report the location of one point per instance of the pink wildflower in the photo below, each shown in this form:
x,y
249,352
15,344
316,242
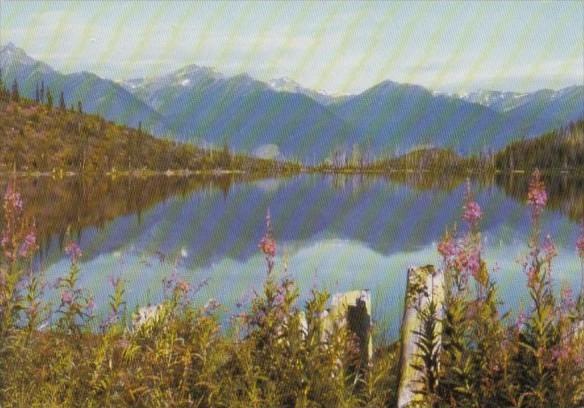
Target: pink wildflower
x,y
12,200
537,195
561,352
580,242
183,286
73,251
447,248
520,321
66,297
567,301
268,245
472,212
474,264
279,299
28,246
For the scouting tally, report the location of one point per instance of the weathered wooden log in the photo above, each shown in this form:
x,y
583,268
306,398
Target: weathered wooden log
x,y
424,285
145,314
352,310
355,308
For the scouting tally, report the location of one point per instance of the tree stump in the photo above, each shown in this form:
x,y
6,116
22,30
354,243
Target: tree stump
x,y
424,285
355,307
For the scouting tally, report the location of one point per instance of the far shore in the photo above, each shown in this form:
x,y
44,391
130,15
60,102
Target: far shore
x,y
60,174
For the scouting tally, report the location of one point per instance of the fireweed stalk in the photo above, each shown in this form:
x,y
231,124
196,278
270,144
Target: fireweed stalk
x,y
268,245
76,308
540,337
580,249
472,331
19,287
461,256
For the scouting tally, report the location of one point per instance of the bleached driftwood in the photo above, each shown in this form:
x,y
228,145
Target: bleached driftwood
x,y
352,310
424,285
145,314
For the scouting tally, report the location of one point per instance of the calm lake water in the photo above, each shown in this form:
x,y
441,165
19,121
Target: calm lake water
x,y
334,232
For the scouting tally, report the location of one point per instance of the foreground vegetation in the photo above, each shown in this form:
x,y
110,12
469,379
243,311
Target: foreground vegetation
x,y
64,355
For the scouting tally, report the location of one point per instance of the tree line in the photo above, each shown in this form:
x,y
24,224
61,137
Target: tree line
x,y
559,150
42,95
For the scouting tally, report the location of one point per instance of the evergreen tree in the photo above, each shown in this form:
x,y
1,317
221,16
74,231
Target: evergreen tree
x,y
42,95
1,83
15,93
62,105
79,107
37,96
49,99
3,92
225,161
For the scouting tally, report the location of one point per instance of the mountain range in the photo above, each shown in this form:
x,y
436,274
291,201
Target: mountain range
x,y
281,118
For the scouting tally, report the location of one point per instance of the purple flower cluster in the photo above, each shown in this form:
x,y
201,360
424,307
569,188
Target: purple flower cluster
x,y
464,254
18,239
73,251
67,297
537,195
567,301
472,212
268,244
28,246
580,242
12,200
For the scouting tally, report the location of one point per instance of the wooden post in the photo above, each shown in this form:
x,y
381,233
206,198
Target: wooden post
x,y
145,315
352,310
424,284
355,307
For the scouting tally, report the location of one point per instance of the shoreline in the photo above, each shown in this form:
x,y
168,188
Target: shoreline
x,y
304,170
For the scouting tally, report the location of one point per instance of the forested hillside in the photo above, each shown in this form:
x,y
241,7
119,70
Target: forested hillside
x,y
561,149
42,137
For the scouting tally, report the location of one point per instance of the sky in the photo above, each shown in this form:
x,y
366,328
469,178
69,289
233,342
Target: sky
x,y
337,47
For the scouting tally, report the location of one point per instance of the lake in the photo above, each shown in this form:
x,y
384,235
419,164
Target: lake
x,y
334,232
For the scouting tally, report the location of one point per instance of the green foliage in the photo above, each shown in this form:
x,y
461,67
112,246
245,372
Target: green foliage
x,y
62,105
49,99
15,95
428,343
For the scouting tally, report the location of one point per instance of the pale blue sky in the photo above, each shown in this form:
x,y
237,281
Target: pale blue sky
x,y
339,47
